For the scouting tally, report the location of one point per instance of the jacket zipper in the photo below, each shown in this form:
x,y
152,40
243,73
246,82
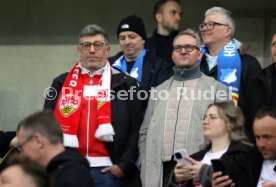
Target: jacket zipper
x,y
88,121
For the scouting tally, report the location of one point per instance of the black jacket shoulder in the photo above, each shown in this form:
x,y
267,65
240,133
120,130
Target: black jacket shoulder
x,y
69,168
155,70
54,90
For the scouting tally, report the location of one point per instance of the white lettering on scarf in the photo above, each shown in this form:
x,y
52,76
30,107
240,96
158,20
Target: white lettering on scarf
x,y
75,76
229,49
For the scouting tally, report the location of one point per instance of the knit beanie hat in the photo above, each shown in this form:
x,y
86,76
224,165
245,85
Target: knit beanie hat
x,y
134,24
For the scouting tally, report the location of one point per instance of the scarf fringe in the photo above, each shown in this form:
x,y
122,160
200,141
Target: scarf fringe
x,y
70,140
105,132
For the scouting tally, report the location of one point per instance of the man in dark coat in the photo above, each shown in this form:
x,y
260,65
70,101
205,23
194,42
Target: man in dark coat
x,y
223,60
105,109
167,14
261,90
40,139
265,172
135,59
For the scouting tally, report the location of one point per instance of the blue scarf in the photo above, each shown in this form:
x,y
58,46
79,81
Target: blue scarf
x,y
136,70
229,68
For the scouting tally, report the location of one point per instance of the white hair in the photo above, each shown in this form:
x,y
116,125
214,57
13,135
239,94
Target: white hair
x,y
229,20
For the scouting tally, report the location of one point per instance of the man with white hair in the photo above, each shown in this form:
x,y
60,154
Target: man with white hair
x,y
222,58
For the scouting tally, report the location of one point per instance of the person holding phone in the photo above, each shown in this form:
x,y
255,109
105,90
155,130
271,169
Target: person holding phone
x,y
265,133
226,141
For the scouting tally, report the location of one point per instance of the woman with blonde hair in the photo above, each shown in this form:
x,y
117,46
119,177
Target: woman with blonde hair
x,y
226,140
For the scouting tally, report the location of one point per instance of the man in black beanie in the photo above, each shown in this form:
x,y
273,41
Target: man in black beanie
x,y
134,58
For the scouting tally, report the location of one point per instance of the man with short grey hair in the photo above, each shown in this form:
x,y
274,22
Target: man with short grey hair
x,y
223,60
174,121
103,126
40,138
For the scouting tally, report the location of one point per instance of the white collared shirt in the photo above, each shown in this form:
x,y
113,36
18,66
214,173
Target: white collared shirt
x,y
90,73
212,61
267,173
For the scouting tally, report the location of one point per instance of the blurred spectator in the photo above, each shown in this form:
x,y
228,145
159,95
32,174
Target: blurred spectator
x,y
22,172
40,139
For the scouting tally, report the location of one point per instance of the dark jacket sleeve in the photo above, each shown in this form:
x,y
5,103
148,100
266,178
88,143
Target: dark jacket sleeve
x,y
53,93
136,114
5,140
250,70
163,71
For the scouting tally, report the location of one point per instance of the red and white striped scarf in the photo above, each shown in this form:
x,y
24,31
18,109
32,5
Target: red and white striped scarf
x,y
69,105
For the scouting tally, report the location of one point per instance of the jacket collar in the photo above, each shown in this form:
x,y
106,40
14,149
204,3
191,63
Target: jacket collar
x,y
182,74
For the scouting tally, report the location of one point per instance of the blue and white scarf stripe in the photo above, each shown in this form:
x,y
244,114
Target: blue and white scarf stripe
x,y
229,67
136,70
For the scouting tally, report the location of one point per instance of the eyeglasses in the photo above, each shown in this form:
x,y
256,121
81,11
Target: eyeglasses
x,y
87,45
18,147
210,25
187,47
210,117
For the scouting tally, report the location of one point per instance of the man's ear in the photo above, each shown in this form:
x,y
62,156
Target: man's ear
x,y
200,55
39,139
79,50
229,32
158,17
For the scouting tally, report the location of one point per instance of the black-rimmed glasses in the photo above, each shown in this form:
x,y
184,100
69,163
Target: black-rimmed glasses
x,y
87,45
210,25
187,47
18,147
210,117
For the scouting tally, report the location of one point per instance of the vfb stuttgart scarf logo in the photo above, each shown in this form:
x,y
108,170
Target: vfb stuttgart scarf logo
x,y
69,104
102,97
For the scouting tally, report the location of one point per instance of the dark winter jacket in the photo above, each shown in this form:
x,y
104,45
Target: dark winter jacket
x,y
5,140
155,70
127,116
69,169
270,79
241,162
261,92
161,46
250,68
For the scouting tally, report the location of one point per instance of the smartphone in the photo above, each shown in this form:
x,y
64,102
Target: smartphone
x,y
218,166
179,157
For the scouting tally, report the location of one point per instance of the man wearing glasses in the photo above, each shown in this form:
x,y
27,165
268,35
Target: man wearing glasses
x,y
174,121
222,58
40,139
94,118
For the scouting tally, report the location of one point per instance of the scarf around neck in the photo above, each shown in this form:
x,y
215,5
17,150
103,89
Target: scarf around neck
x,y
228,67
69,105
136,70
